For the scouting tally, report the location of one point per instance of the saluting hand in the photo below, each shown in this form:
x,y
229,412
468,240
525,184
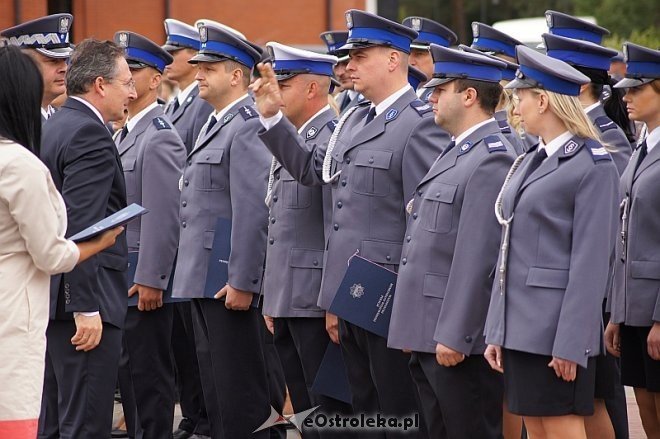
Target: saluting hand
x,y
235,299
564,369
149,298
446,356
266,91
653,342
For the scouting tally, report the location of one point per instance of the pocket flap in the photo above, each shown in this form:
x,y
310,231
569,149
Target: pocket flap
x,y
129,165
306,258
113,261
645,269
374,159
442,192
210,156
435,285
547,277
381,252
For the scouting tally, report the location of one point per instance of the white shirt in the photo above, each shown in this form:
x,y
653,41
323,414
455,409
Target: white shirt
x,y
130,123
471,130
220,114
47,112
90,106
183,94
591,107
391,99
556,143
652,139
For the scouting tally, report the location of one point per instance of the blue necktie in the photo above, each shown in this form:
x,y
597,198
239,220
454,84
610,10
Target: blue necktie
x,y
371,115
212,122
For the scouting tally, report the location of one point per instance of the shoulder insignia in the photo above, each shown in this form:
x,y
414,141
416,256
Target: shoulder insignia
x,y
421,107
391,114
311,133
504,126
598,151
570,147
494,143
332,124
161,124
604,123
248,112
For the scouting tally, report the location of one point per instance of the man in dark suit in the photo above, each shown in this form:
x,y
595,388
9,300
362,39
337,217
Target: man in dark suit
x,y
88,305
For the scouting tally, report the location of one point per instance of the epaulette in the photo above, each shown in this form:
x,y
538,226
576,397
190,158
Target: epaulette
x,y
248,112
494,143
332,124
421,107
504,126
598,151
161,124
604,123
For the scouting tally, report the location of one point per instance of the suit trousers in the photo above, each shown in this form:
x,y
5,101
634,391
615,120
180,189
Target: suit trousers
x,y
232,369
276,380
379,378
463,401
147,342
79,387
188,383
301,343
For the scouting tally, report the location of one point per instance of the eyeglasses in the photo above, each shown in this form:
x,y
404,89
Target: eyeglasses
x,y
130,84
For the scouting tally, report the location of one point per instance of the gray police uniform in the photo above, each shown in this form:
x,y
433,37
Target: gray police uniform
x,y
152,156
612,136
189,117
509,133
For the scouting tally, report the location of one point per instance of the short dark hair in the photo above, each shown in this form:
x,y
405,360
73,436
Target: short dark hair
x,y
231,65
89,60
488,93
21,91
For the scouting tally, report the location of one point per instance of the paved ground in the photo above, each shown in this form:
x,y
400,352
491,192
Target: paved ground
x,y
636,430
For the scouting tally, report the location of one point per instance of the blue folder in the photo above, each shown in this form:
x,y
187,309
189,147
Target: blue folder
x,y
217,274
130,277
365,296
117,219
331,378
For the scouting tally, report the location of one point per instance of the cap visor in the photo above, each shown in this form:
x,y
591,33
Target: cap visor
x,y
62,52
632,82
520,83
171,48
434,82
357,45
205,57
284,76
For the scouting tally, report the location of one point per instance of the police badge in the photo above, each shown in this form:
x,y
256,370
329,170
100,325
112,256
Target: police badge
x,y
548,20
329,38
416,24
475,30
357,291
203,34
570,147
64,25
123,39
349,20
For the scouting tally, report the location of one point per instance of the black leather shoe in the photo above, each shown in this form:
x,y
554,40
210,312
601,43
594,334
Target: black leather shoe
x,y
181,434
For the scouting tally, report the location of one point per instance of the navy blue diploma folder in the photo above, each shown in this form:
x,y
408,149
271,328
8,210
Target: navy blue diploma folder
x,y
331,379
130,277
117,219
365,296
217,274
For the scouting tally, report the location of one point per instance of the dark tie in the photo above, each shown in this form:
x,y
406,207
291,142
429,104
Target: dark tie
x,y
449,147
212,122
175,105
536,161
124,133
643,150
371,115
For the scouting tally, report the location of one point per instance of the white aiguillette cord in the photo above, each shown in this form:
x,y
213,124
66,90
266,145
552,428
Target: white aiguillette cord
x,y
505,222
271,182
327,160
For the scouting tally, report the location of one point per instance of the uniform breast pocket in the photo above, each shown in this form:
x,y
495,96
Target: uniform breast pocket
x,y
296,196
371,175
130,176
306,269
210,175
436,209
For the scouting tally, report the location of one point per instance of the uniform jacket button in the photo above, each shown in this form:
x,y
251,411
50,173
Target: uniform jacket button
x,y
184,203
343,182
271,241
388,257
414,215
404,261
315,263
275,198
163,276
587,352
339,204
255,281
348,160
186,182
468,339
336,227
183,224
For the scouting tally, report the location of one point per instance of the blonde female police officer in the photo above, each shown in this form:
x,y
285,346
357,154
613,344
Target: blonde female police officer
x,y
558,211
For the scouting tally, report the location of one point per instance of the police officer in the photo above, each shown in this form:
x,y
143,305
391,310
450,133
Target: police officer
x,y
572,27
346,96
428,31
634,330
558,211
442,286
505,105
225,177
46,40
416,77
188,113
496,43
294,259
376,157
152,156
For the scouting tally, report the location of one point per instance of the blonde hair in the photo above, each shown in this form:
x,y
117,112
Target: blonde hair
x,y
569,110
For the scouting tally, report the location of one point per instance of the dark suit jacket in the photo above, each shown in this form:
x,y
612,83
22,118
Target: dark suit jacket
x,y
83,161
